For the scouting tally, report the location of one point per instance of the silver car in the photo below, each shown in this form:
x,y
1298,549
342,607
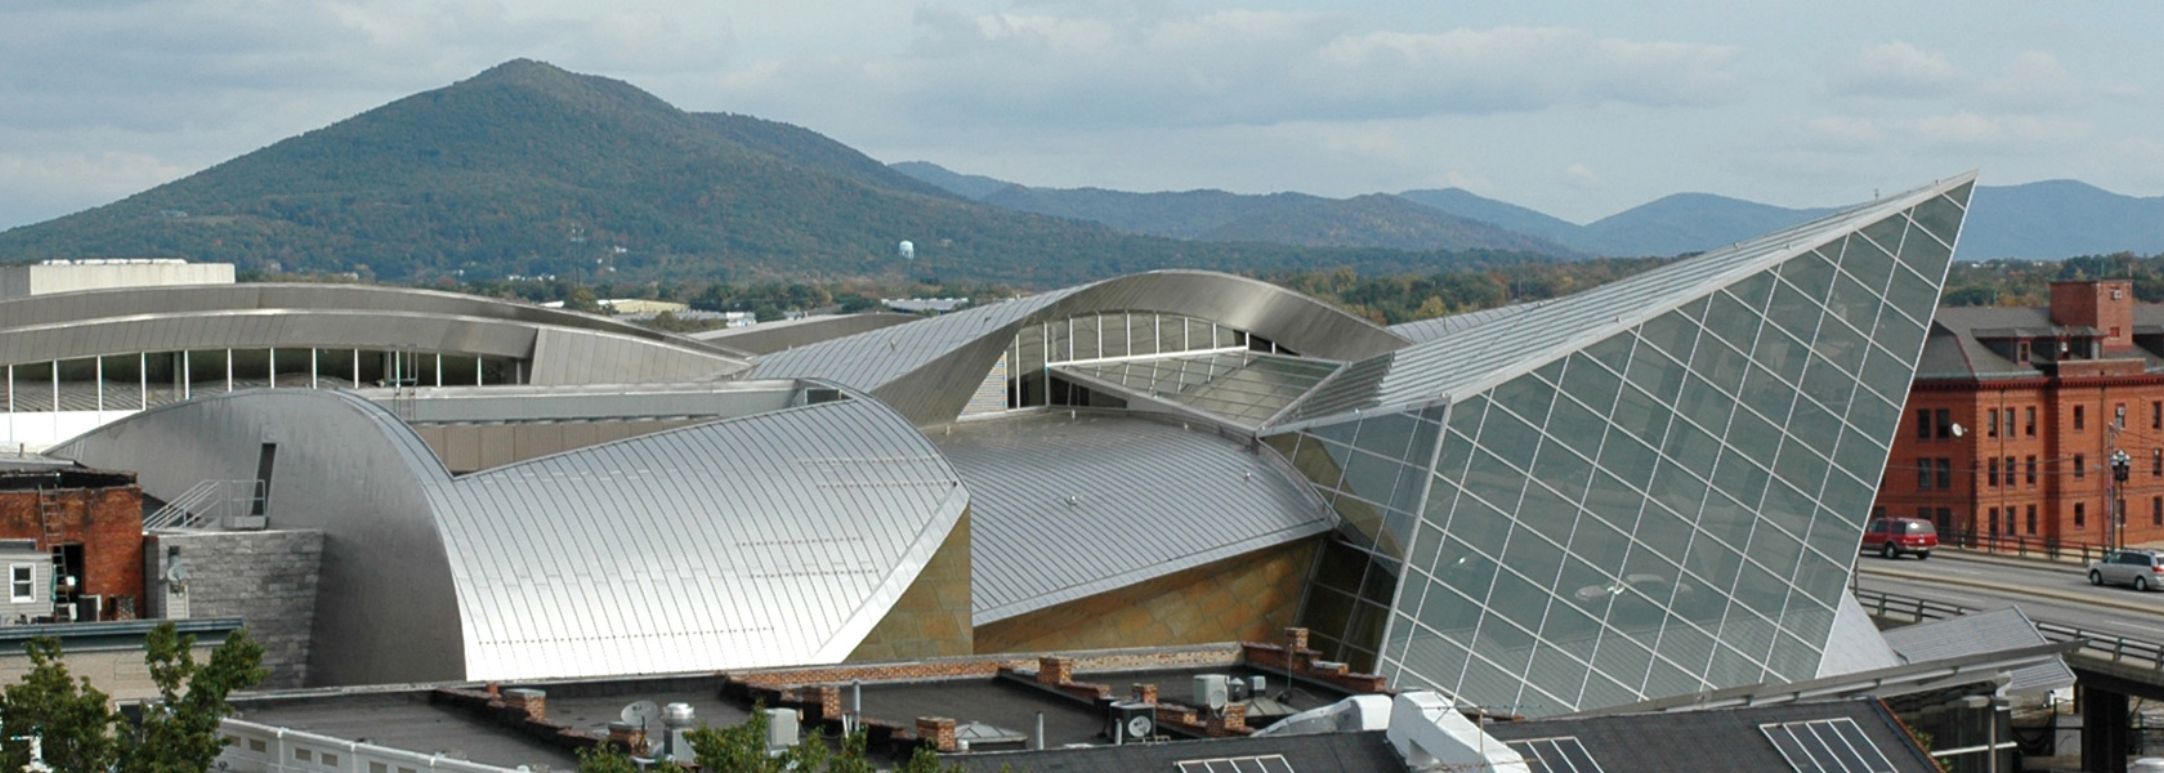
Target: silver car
x,y
2138,569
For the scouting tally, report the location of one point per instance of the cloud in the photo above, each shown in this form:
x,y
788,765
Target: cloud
x,y
1245,67
1582,176
1898,70
2004,133
2036,82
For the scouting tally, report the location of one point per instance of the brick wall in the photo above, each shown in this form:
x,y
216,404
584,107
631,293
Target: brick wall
x,y
265,578
107,522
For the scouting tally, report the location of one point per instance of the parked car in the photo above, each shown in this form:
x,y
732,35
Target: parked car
x,y
2138,569
1891,537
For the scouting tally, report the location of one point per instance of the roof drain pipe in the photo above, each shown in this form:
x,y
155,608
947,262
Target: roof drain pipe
x,y
1040,730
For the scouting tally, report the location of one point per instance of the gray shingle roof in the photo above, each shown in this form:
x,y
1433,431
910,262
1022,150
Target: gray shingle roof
x,y
1993,631
1065,508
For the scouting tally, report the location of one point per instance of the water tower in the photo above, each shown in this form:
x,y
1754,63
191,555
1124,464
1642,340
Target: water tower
x,y
907,250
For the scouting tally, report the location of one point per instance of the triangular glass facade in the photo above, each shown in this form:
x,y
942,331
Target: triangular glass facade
x,y
1653,508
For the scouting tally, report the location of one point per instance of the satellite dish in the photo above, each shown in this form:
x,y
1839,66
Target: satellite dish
x,y
177,573
641,713
1959,430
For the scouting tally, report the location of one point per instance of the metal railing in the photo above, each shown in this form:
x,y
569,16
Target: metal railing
x,y
2122,650
206,503
2024,547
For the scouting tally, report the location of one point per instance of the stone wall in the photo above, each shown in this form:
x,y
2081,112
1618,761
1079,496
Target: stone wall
x,y
931,619
265,578
1248,597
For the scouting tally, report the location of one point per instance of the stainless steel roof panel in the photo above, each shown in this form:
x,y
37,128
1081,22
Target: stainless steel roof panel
x,y
777,538
1068,508
926,369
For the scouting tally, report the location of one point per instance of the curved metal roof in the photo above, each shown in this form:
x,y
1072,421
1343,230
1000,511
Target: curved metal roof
x,y
771,337
158,319
1067,508
927,369
777,538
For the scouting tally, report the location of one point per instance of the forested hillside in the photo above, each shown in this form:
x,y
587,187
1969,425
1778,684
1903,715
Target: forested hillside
x,y
529,170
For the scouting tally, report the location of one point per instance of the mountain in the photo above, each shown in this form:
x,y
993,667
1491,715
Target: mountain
x,y
528,169
968,186
2060,218
1689,222
1464,203
1374,220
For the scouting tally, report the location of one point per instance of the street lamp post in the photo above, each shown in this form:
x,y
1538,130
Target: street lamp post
x,y
2119,463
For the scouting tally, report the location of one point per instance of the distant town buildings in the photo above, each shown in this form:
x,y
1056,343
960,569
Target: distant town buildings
x,y
2019,417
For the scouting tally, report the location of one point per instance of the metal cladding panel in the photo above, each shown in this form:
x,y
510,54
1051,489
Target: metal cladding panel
x,y
1672,505
365,330
1423,331
1067,508
771,337
1479,356
871,359
927,369
775,539
389,611
265,297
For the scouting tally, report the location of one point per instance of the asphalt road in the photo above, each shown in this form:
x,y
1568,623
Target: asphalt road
x,y
2061,592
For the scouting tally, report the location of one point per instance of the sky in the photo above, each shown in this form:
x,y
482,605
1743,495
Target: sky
x,y
1578,109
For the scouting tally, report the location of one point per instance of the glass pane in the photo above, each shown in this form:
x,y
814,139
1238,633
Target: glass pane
x,y
1810,273
1870,263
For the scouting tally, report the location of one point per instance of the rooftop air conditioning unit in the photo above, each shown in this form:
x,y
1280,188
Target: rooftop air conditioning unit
x,y
1128,721
1212,691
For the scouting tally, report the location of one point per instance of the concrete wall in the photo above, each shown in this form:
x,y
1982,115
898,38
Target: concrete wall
x,y
266,578
119,673
43,279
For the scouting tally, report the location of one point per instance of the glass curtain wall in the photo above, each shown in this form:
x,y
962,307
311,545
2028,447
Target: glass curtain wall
x,y
1668,510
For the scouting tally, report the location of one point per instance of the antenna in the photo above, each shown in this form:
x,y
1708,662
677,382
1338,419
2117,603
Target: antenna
x,y
641,713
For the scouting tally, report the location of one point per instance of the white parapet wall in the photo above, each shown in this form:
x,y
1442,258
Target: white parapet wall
x,y
62,276
255,748
35,431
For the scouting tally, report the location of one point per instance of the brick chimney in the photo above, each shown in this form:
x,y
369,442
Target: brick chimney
x,y
2104,304
937,731
1055,671
533,703
1143,693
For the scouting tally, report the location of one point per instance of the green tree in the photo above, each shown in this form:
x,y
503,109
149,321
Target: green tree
x,y
73,720
179,731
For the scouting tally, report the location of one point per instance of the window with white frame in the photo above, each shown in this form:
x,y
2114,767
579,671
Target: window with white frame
x,y
22,582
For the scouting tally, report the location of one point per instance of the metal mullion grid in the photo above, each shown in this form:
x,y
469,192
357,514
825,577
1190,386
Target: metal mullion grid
x,y
1788,437
1635,543
1630,534
1577,518
1675,589
1817,498
1510,512
1425,469
1757,508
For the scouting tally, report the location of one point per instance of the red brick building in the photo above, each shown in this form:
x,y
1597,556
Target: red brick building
x,y
91,521
2016,414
